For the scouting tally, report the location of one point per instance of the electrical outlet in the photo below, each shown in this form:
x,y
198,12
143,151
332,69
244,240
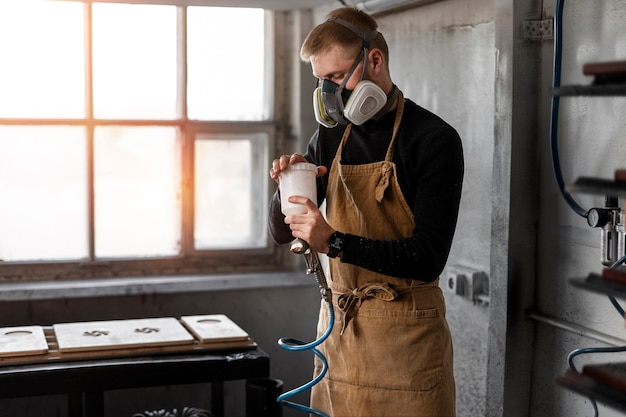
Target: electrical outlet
x,y
456,283
466,282
538,30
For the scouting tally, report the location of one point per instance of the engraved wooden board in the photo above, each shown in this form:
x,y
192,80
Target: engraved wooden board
x,y
118,334
214,328
22,341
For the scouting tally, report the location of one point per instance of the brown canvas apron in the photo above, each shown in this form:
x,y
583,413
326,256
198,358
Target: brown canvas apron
x,y
390,351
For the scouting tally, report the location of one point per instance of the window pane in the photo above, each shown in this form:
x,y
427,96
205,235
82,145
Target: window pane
x,y
225,56
43,189
134,61
138,191
42,56
229,203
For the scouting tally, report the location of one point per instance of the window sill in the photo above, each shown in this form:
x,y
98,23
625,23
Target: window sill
x,y
46,290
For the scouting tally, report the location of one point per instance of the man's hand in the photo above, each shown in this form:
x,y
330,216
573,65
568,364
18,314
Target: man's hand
x,y
311,226
280,164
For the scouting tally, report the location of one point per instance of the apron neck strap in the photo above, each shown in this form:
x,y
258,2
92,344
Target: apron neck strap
x,y
396,126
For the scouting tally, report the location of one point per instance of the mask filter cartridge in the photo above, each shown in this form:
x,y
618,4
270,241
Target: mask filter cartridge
x,y
365,101
361,104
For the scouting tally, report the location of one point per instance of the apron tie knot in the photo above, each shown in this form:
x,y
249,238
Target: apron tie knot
x,y
383,182
350,301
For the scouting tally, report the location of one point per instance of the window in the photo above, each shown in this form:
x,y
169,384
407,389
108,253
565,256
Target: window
x,y
133,139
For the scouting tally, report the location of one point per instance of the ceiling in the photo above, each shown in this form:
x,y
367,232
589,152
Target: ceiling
x,y
370,6
265,4
285,4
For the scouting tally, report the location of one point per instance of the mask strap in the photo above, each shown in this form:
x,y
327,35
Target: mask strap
x,y
366,53
347,77
367,37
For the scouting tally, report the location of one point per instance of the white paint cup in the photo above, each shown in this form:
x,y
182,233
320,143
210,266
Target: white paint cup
x,y
298,179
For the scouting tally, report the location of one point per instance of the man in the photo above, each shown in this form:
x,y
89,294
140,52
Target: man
x,y
391,174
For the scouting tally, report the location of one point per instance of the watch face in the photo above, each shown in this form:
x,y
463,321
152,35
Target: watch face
x,y
337,242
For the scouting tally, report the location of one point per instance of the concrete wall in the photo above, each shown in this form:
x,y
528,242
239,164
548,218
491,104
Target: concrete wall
x,y
469,62
591,143
505,363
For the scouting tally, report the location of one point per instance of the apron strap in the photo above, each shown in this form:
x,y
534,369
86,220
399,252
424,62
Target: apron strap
x,y
350,301
387,167
394,133
383,183
396,126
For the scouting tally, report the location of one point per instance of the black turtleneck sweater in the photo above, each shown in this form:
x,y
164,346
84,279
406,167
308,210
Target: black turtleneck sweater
x,y
429,159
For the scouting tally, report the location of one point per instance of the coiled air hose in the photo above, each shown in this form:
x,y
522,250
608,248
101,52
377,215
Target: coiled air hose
x,y
313,266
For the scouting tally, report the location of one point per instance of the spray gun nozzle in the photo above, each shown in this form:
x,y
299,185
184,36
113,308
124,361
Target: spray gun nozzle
x,y
314,266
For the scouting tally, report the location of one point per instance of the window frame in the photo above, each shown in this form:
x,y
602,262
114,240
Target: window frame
x,y
190,261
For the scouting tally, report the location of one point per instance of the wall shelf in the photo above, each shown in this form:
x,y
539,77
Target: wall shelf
x,y
595,283
590,90
590,185
591,388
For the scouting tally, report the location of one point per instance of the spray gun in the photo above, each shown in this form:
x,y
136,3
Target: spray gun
x,y
314,266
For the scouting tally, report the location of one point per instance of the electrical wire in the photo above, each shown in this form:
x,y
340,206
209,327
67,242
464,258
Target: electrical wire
x,y
297,345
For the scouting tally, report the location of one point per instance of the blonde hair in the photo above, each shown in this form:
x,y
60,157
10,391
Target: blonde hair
x,y
329,33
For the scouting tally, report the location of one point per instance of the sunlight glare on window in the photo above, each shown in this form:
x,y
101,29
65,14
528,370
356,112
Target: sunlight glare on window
x,y
42,59
134,61
138,192
43,193
226,49
226,207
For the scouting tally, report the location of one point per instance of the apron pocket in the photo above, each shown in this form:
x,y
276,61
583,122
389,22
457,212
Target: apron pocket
x,y
390,349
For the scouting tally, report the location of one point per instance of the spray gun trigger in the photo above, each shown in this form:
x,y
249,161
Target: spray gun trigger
x,y
313,266
299,246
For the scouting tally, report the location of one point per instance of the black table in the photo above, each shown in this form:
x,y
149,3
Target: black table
x,y
85,381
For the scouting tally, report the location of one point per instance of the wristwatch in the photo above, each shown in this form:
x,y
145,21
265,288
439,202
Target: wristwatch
x,y
335,244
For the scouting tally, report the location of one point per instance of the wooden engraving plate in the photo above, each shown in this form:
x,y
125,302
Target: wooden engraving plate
x,y
22,341
214,328
118,334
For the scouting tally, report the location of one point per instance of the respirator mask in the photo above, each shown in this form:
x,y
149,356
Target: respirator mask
x,y
334,105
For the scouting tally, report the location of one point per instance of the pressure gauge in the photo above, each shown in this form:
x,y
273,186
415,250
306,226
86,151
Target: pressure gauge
x,y
597,217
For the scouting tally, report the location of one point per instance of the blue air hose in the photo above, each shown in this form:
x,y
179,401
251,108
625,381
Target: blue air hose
x,y
554,115
296,346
